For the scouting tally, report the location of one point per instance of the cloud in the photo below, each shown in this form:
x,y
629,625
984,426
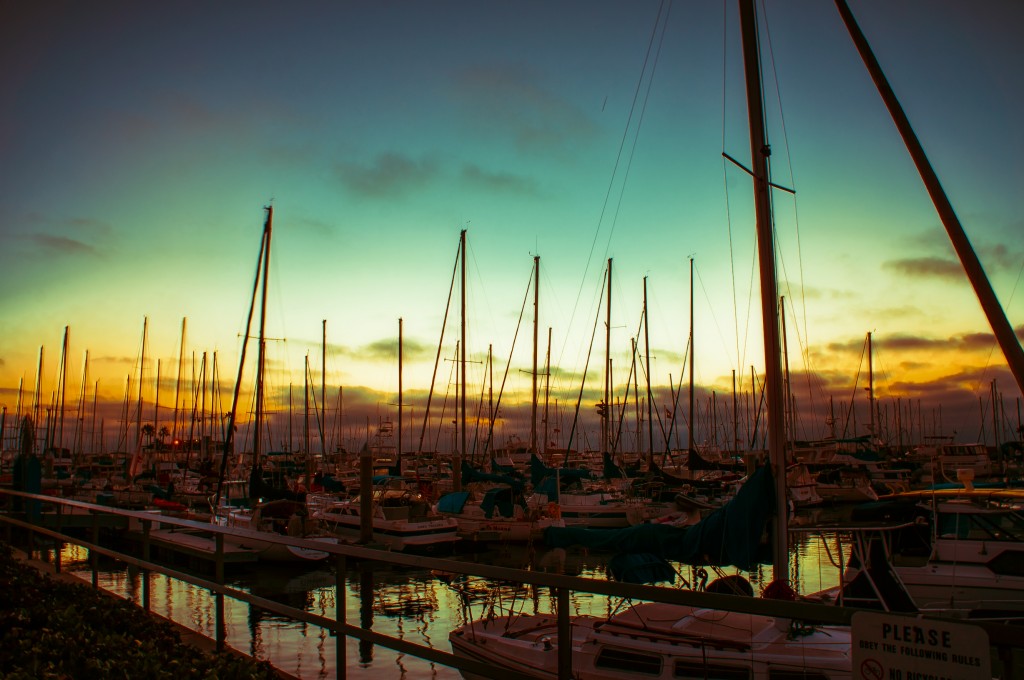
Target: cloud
x,y
390,175
500,182
511,101
386,350
62,244
968,342
927,267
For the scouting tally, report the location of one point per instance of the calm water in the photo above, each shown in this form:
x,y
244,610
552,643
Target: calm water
x,y
412,605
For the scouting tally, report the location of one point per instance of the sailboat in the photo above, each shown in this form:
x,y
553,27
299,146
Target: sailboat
x,y
270,509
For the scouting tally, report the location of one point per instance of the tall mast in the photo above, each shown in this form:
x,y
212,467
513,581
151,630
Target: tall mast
x,y
1001,328
399,450
156,402
78,447
177,387
36,405
786,386
689,444
63,387
142,368
229,428
547,388
322,422
261,349
647,361
759,152
536,310
457,466
607,365
871,387
305,404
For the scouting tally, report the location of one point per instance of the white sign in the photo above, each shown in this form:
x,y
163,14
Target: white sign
x,y
899,647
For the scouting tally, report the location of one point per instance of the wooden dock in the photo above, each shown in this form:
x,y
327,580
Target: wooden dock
x,y
195,546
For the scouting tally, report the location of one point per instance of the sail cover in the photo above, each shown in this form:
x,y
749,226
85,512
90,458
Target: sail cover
x,y
729,536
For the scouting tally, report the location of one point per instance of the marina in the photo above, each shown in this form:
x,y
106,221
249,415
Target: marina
x,y
578,513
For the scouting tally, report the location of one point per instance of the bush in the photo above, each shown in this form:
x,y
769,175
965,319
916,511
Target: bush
x,y
53,629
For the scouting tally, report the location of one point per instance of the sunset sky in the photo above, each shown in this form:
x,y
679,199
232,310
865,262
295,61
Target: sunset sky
x,y
142,141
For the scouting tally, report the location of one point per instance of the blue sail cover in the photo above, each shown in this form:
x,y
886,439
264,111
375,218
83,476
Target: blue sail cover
x,y
729,536
471,474
453,502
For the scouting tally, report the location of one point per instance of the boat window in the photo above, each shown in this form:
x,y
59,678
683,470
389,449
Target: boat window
x,y
698,671
624,660
1004,526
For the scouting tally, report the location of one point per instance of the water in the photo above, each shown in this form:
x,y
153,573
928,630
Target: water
x,y
414,605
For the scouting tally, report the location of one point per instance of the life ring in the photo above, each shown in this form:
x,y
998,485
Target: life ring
x,y
554,511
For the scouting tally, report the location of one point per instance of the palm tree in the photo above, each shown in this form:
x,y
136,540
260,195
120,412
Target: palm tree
x,y
149,431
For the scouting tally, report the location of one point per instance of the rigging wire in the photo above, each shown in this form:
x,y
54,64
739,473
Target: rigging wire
x,y
658,22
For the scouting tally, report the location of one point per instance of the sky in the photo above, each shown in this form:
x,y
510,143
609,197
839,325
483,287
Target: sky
x,y
143,141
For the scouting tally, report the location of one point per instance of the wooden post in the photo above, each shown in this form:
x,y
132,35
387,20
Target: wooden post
x,y
57,542
219,597
94,557
341,648
564,635
147,525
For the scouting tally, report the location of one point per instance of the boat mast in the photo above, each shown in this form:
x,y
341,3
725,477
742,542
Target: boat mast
x,y
789,417
759,152
261,360
305,406
457,463
650,399
871,389
1001,328
322,422
536,310
689,443
607,365
177,385
547,388
398,452
229,430
63,389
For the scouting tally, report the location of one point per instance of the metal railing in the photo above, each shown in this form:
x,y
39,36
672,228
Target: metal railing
x,y
1005,640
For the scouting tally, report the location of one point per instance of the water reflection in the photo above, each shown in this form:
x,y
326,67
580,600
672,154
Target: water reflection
x,y
415,605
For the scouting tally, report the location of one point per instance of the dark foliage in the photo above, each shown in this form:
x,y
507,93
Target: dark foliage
x,y
52,629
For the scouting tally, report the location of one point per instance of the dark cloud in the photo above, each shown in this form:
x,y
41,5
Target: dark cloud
x,y
906,343
386,350
62,245
500,182
927,267
512,101
390,175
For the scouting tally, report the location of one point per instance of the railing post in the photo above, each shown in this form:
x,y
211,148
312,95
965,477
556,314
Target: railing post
x,y
219,597
146,526
340,586
30,536
57,542
94,557
564,635
9,507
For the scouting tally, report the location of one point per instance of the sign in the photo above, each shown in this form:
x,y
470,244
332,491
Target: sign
x,y
899,647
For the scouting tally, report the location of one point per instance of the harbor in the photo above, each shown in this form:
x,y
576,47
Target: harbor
x,y
482,467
